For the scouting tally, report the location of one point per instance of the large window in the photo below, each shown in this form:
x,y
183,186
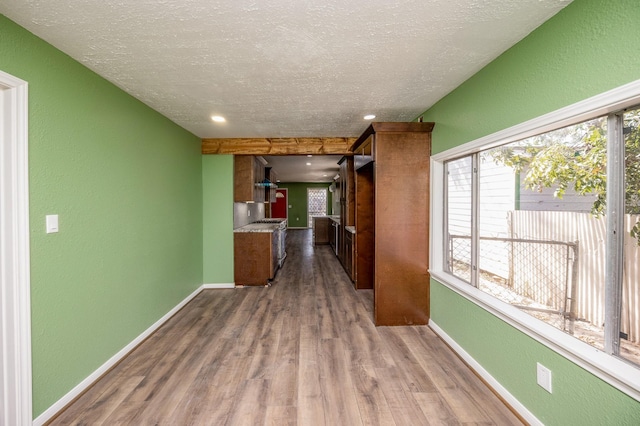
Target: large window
x,y
629,257
459,216
550,225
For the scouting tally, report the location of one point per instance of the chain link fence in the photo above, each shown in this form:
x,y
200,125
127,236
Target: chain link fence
x,y
534,275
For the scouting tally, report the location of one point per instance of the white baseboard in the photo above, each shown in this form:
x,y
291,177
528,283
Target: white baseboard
x,y
218,285
500,390
82,386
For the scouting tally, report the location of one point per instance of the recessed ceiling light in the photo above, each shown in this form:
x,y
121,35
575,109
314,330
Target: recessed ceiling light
x,y
369,117
218,118
308,164
309,155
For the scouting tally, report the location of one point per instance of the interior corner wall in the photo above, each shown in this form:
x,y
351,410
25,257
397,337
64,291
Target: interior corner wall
x,y
297,199
217,227
586,49
126,183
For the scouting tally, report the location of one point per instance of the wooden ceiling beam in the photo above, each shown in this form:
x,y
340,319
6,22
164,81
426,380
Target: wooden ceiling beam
x,y
278,146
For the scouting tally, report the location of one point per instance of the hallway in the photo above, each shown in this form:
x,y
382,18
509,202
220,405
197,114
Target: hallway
x,y
301,352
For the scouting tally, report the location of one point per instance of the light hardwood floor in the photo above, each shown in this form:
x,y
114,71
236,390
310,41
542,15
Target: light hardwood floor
x,y
301,352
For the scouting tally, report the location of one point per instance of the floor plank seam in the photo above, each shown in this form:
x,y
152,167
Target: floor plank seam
x,y
304,351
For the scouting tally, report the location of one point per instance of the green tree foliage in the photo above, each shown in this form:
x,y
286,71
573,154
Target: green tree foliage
x,y
576,157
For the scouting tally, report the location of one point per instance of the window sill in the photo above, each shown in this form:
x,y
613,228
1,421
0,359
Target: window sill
x,y
614,371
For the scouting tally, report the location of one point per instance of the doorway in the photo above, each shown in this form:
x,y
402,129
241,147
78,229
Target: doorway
x,y
15,298
280,209
316,203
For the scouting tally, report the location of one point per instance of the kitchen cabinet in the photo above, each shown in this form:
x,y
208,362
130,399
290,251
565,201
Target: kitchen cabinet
x,y
347,205
363,153
255,257
334,238
364,223
391,162
321,230
335,195
248,173
348,254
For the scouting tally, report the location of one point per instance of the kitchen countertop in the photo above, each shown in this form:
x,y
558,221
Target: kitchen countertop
x,y
261,227
334,217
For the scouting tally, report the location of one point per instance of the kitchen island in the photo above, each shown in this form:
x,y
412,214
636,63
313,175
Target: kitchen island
x,y
259,250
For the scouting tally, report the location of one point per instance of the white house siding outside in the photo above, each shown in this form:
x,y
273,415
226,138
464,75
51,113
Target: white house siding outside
x,y
544,200
497,199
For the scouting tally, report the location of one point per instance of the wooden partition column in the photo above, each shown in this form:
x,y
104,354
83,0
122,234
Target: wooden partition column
x,y
392,219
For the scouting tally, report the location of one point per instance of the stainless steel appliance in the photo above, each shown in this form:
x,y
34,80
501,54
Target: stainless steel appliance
x,y
280,236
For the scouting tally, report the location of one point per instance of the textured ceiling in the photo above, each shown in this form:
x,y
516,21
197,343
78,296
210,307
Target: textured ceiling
x,y
302,168
283,68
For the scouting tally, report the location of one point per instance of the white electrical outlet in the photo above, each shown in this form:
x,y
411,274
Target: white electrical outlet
x,y
544,377
248,213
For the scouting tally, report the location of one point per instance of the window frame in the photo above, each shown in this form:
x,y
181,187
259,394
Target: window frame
x,y
616,371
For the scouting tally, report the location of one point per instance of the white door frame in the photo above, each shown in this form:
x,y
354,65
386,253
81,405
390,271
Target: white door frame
x,y
15,295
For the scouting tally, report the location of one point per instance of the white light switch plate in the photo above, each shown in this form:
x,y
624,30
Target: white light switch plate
x,y
52,223
544,377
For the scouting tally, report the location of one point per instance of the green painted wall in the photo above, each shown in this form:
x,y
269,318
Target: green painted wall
x,y
589,47
217,227
127,185
298,201
578,398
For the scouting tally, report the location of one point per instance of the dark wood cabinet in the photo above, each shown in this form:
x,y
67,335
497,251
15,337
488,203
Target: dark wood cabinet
x,y
348,254
321,230
392,219
248,173
334,237
364,223
347,205
255,257
363,154
336,194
